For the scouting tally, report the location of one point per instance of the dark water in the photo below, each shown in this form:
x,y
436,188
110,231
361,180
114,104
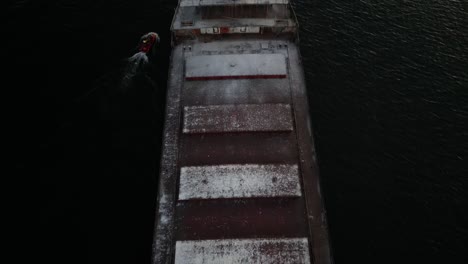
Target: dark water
x,y
388,88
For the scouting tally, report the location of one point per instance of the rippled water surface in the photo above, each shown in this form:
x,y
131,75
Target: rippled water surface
x,y
388,90
388,86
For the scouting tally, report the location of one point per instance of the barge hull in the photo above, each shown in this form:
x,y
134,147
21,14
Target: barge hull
x,y
239,174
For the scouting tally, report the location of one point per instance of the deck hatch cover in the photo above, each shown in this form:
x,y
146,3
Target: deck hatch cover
x,y
236,251
238,118
235,66
239,181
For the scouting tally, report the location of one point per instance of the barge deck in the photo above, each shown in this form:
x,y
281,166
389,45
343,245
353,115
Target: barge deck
x,y
239,181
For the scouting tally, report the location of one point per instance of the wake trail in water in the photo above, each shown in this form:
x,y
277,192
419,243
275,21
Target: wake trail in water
x,y
135,65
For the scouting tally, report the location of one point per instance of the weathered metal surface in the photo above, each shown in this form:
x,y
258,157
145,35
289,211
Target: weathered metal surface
x,y
230,2
234,148
239,181
231,30
237,251
206,67
263,23
163,234
238,148
237,118
207,20
244,91
310,174
240,218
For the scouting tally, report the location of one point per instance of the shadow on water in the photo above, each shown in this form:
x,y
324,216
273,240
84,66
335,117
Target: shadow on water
x,y
105,163
112,143
91,154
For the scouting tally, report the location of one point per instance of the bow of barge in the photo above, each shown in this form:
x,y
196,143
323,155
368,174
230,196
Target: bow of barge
x,y
239,181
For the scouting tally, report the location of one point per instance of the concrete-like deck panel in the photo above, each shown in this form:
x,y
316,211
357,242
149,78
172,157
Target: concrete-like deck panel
x,y
243,91
237,118
229,66
237,251
239,181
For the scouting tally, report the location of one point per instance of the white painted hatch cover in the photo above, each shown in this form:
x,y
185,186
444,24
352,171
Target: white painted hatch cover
x,y
240,251
238,118
231,66
239,181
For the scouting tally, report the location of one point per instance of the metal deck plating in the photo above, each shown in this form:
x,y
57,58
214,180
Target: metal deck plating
x,y
239,181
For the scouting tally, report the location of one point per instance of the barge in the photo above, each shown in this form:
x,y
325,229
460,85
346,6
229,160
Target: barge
x,y
239,181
